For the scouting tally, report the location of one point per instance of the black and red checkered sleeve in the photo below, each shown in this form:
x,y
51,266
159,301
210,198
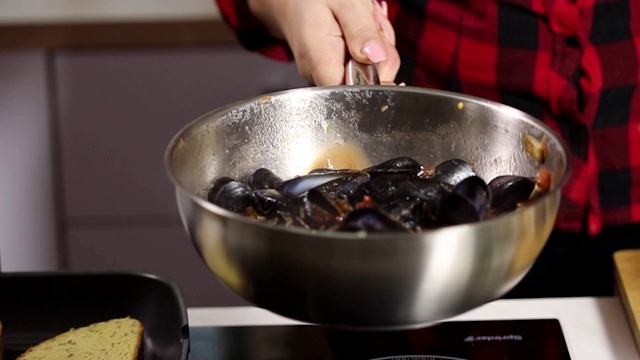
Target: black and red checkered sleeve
x,y
250,32
615,38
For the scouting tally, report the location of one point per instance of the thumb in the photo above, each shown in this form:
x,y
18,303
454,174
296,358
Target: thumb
x,y
361,33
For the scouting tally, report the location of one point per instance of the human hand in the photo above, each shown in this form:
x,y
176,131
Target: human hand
x,y
320,31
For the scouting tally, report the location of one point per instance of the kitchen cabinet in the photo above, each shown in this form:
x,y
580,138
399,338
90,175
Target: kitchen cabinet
x,y
117,111
28,230
89,99
161,250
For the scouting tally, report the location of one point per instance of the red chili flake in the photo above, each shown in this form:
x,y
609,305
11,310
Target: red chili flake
x,y
428,171
367,202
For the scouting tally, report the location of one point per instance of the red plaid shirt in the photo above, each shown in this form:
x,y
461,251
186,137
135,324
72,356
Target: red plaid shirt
x,y
575,64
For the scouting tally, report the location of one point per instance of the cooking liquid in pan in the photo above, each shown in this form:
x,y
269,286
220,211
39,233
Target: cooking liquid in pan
x,y
341,156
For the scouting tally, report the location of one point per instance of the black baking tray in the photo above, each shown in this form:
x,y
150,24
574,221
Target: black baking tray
x,y
35,306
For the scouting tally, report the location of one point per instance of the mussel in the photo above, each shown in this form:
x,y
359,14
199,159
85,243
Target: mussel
x,y
395,195
389,189
452,171
346,186
399,165
467,202
319,210
508,191
234,196
264,179
216,185
369,220
319,171
269,202
301,184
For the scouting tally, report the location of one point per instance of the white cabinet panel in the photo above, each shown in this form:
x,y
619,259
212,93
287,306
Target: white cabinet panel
x,y
119,109
162,251
28,234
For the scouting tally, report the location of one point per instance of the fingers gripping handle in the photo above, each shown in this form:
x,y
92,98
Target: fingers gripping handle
x,y
357,73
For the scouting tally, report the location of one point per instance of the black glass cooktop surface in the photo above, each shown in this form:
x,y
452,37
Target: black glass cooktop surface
x,y
464,340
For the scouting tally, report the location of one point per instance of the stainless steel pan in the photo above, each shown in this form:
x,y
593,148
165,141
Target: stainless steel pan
x,y
347,279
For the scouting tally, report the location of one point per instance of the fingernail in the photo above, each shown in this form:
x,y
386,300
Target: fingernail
x,y
374,51
402,84
386,30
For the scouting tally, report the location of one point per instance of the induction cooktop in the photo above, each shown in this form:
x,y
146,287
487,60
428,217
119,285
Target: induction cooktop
x,y
455,340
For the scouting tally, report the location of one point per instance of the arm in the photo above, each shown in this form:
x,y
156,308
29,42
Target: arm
x,y
316,34
251,33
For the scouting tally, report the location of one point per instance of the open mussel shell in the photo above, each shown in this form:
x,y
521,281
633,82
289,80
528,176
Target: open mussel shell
x,y
346,186
301,184
319,171
321,211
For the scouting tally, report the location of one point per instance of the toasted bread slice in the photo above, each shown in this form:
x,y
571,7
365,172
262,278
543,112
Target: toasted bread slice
x,y
108,340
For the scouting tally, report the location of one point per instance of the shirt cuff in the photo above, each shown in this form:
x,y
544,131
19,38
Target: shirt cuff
x,y
250,32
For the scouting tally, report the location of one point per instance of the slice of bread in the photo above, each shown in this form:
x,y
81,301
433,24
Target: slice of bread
x,y
112,339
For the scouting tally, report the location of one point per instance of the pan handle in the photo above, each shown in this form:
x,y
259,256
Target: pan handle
x,y
357,73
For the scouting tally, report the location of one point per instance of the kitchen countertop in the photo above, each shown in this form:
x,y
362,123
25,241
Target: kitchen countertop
x,y
110,23
594,328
